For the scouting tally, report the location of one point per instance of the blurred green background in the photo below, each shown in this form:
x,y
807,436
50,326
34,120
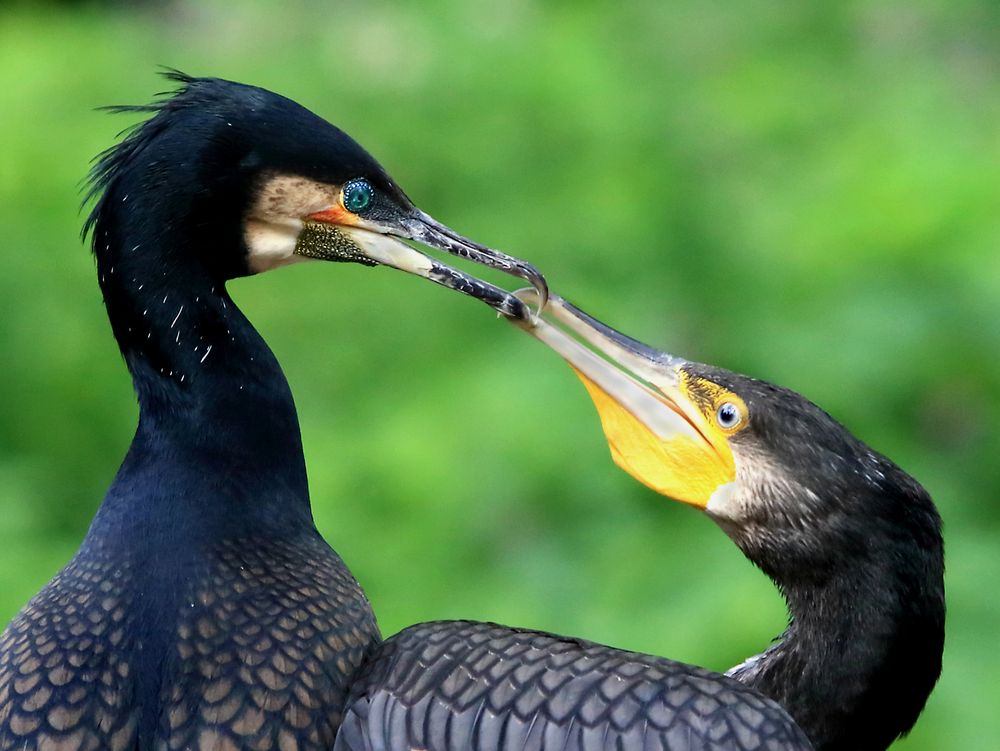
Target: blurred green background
x,y
807,193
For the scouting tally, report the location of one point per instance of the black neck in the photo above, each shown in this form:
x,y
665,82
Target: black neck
x,y
862,651
217,452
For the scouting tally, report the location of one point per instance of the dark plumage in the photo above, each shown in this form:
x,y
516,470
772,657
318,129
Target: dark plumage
x,y
854,544
203,607
203,610
458,685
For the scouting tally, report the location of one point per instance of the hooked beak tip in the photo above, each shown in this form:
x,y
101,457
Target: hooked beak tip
x,y
534,277
425,229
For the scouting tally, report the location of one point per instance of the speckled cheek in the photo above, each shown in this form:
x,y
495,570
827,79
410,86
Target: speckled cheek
x,y
282,197
275,219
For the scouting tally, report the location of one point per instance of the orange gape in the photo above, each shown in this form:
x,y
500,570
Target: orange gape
x,y
688,469
335,215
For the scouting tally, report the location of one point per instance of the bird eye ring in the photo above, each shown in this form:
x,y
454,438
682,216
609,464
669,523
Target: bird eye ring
x,y
357,195
728,416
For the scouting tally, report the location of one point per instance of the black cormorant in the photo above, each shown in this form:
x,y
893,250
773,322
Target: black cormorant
x,y
853,543
203,609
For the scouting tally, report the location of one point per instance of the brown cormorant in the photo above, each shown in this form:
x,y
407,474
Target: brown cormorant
x,y
852,542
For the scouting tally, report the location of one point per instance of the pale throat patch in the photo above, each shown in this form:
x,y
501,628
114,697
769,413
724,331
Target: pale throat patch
x,y
722,503
274,220
758,478
726,502
270,244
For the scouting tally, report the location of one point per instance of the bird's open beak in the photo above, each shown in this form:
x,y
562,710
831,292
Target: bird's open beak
x,y
655,426
335,234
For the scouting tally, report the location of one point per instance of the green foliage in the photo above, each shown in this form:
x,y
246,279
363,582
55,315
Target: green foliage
x,y
802,192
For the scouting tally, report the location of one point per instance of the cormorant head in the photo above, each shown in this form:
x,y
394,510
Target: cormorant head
x,y
852,541
794,489
240,180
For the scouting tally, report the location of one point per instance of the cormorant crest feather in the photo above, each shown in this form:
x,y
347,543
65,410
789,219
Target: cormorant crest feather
x,y
106,165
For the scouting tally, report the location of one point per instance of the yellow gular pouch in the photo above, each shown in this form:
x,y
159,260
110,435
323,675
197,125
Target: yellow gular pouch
x,y
687,468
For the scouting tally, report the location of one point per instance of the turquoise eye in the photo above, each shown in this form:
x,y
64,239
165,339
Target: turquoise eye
x,y
358,195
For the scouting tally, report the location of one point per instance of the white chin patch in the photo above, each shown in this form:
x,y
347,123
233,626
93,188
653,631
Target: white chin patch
x,y
722,504
272,244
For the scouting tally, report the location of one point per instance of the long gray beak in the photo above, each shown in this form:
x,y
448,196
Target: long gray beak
x,y
657,428
377,243
426,230
630,372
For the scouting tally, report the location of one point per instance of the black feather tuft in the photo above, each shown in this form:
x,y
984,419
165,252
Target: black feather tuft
x,y
106,165
178,76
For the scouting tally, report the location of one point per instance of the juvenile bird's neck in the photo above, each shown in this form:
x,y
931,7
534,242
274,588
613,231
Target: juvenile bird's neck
x,y
860,656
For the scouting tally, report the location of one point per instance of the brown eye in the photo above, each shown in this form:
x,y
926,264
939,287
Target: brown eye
x,y
728,416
